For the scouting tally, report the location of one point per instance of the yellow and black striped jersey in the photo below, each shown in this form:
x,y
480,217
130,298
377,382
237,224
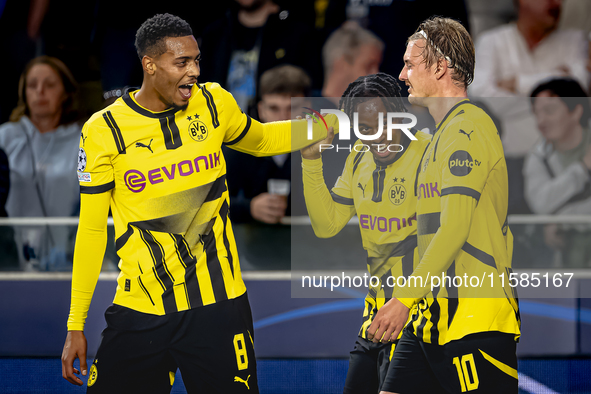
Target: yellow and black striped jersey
x,y
384,199
463,189
169,198
163,175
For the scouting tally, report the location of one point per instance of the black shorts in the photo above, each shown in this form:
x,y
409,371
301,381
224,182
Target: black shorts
x,y
368,366
211,345
478,363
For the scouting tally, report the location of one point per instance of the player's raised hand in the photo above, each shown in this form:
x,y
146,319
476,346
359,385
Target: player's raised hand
x,y
74,348
388,322
314,151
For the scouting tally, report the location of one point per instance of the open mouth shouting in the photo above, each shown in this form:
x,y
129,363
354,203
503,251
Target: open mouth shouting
x,y
185,90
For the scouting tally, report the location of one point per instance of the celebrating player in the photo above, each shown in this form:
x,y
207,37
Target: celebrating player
x,y
154,157
379,184
459,341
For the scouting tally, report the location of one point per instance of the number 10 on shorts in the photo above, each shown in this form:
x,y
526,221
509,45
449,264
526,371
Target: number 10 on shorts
x,y
240,349
468,379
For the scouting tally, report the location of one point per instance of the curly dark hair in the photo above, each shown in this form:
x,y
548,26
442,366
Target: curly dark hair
x,y
371,86
149,39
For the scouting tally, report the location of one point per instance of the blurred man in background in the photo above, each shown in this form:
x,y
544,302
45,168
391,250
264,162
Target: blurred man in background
x,y
557,171
349,53
510,61
248,176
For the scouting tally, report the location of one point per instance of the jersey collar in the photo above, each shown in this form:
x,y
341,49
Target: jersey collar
x,y
452,110
129,99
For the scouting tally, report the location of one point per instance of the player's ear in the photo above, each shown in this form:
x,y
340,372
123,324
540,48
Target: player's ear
x,y
149,65
441,68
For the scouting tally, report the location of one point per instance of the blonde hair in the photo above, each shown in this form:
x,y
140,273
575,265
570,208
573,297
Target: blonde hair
x,y
447,39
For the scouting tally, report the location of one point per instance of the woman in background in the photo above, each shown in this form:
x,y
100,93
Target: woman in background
x,y
41,142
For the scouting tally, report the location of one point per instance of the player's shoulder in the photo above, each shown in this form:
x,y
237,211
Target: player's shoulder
x,y
422,137
215,95
471,116
214,89
99,118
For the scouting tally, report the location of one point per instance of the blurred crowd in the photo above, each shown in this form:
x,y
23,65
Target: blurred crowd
x,y
69,59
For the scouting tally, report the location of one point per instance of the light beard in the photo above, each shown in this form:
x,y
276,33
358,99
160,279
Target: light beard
x,y
180,107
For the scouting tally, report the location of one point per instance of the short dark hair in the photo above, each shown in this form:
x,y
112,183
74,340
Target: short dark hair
x,y
570,93
371,86
285,79
149,39
448,39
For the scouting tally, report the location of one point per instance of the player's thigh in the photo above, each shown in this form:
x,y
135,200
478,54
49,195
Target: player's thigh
x,y
409,371
363,372
215,349
132,361
480,364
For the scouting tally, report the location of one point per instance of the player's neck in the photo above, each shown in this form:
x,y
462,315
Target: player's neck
x,y
440,106
149,99
257,17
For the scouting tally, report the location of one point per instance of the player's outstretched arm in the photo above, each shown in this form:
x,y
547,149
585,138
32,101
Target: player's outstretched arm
x,y
275,138
328,216
248,135
91,241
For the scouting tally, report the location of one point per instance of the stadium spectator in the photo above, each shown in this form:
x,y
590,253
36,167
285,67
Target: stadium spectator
x,y
558,169
41,141
349,53
252,38
248,176
510,61
371,184
20,27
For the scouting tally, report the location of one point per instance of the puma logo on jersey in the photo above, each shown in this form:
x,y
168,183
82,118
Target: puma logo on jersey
x,y
466,134
239,379
140,145
362,188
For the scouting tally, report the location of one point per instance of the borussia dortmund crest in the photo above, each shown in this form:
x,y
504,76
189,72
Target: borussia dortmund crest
x,y
93,375
397,194
198,130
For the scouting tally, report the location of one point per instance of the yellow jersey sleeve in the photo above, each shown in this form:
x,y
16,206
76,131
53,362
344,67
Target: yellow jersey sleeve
x,y
329,211
95,171
247,135
91,242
